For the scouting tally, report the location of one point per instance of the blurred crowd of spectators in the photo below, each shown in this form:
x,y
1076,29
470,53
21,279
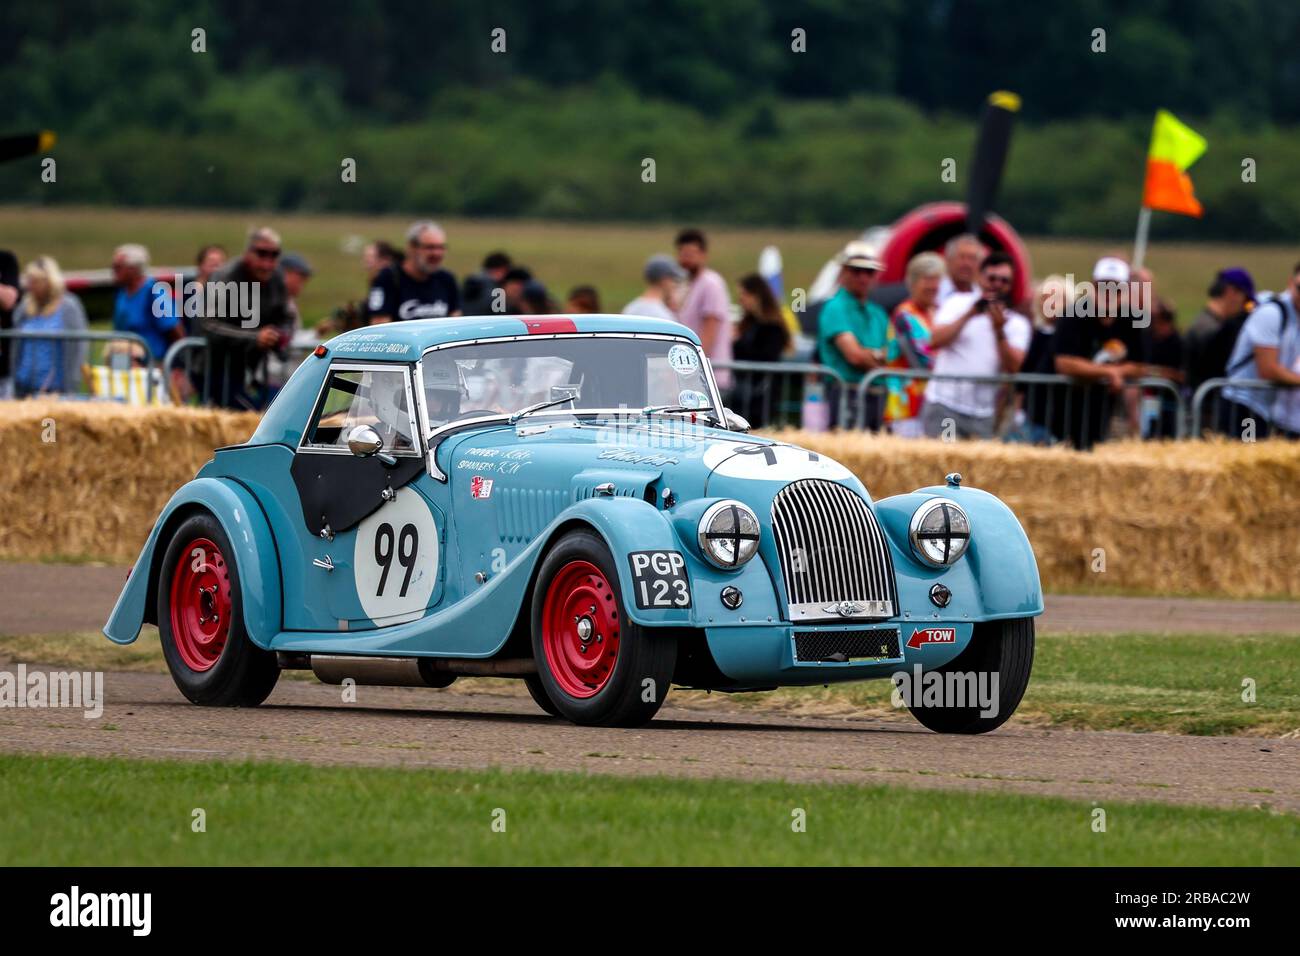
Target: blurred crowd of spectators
x,y
952,329
1111,336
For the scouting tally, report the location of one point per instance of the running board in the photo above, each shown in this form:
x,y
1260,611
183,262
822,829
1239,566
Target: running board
x,y
413,671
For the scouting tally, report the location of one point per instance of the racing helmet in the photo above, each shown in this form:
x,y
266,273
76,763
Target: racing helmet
x,y
444,387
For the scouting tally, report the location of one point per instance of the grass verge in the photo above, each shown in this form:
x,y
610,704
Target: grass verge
x,y
84,811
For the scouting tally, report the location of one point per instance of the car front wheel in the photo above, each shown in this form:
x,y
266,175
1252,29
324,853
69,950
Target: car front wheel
x,y
201,623
594,664
1001,649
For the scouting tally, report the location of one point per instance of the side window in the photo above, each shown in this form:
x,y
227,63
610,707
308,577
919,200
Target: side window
x,y
374,397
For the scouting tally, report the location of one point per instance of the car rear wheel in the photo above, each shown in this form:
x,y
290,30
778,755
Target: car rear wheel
x,y
537,691
594,665
201,623
1004,648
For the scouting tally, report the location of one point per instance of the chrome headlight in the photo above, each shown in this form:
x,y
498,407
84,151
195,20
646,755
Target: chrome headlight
x,y
939,532
729,533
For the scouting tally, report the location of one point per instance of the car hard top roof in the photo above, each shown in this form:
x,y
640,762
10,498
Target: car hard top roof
x,y
407,341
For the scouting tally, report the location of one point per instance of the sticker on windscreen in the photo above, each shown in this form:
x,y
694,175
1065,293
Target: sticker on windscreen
x,y
690,398
683,360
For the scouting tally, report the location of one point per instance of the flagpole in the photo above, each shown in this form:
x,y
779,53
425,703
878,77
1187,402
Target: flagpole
x,y
1140,241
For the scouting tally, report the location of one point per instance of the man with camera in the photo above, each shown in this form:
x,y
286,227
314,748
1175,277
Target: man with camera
x,y
974,334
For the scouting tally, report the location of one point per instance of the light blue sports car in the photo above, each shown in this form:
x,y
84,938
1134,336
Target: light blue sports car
x,y
565,500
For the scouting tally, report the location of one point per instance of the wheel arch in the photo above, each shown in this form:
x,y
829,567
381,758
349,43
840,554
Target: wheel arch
x,y
257,559
519,640
624,524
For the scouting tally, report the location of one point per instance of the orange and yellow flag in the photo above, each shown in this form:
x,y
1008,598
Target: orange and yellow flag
x,y
1174,147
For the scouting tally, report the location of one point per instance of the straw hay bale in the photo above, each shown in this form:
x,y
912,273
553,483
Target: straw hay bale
x,y
95,490
1213,517
1203,517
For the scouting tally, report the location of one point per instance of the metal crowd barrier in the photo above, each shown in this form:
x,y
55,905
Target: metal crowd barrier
x,y
1227,415
1054,408
122,363
773,394
187,370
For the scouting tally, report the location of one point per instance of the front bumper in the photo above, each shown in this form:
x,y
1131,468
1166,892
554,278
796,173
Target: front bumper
x,y
759,655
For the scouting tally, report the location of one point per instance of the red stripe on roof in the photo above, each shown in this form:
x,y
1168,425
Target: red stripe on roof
x,y
549,326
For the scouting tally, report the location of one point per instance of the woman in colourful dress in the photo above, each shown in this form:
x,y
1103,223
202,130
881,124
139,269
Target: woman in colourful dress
x,y
907,344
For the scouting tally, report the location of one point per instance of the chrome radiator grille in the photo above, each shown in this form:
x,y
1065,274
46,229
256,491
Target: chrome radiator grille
x,y
834,556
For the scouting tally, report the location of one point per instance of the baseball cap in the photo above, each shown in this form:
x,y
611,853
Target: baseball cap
x,y
293,262
860,255
1110,269
661,267
1238,278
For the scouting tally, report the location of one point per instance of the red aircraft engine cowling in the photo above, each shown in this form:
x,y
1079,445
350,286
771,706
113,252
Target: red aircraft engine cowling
x,y
927,228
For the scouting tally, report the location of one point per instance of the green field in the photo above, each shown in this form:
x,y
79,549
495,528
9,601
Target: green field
x,y
561,254
1181,684
64,811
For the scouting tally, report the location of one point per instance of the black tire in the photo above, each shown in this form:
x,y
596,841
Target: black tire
x,y
1002,647
538,692
623,698
243,674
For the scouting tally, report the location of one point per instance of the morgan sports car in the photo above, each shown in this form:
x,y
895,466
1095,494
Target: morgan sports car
x,y
565,500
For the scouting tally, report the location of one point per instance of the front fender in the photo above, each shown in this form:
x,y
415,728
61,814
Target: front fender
x,y
630,524
241,517
996,578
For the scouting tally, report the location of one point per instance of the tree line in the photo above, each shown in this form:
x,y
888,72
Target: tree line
x,y
511,108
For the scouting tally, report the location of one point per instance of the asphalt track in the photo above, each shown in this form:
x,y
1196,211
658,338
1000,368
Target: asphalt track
x,y
145,717
492,726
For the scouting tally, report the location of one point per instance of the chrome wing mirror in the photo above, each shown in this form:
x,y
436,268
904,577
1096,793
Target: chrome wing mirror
x,y
364,442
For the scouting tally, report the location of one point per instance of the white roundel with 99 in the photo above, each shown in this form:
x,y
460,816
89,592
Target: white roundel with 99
x,y
396,559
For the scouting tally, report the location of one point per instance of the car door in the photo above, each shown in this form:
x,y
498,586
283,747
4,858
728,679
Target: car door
x,y
373,537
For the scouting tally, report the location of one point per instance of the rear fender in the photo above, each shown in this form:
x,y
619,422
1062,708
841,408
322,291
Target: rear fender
x,y
241,517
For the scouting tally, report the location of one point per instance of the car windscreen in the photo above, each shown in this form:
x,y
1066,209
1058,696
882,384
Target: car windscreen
x,y
602,372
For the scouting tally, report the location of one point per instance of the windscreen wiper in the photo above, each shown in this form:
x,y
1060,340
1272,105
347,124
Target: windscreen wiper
x,y
677,409
549,403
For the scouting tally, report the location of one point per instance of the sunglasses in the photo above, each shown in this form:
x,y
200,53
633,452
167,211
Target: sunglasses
x,y
432,246
1001,280
266,253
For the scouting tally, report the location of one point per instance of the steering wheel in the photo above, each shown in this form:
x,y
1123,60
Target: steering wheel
x,y
476,413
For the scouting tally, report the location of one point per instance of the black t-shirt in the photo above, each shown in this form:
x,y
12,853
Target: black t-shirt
x,y
395,294
8,276
1043,404
1206,355
1090,406
760,342
1167,352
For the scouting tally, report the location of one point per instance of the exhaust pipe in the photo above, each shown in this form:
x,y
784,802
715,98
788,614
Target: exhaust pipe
x,y
413,671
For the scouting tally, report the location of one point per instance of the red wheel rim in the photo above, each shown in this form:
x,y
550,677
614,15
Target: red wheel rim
x,y
200,604
580,629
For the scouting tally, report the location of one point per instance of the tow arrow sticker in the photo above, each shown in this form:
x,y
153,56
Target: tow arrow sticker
x,y
932,635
